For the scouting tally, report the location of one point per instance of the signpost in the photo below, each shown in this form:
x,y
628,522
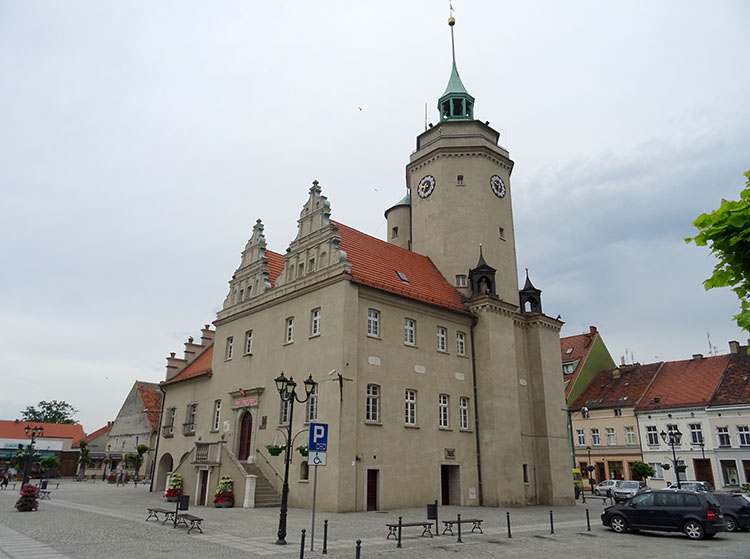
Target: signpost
x,y
317,449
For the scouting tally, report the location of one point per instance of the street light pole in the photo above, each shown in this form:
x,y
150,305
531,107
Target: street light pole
x,y
32,432
287,393
672,438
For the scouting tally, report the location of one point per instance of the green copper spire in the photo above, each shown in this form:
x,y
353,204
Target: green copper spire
x,y
455,103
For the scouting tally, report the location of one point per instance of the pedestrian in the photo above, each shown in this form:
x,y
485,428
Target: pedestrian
x,y
4,481
12,474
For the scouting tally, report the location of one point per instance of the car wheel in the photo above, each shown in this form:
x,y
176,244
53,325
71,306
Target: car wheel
x,y
693,530
618,524
731,523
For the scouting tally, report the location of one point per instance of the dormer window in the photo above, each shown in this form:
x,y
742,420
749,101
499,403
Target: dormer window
x,y
402,276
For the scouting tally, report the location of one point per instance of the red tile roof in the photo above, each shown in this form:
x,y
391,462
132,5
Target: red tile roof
x,y
575,348
99,432
617,388
15,430
375,263
275,265
151,396
200,366
734,387
684,383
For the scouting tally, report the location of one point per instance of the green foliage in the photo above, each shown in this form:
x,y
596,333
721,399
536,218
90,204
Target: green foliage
x,y
84,457
49,463
641,470
226,485
726,231
142,449
56,411
176,481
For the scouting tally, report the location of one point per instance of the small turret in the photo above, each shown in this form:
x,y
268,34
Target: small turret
x,y
482,277
530,298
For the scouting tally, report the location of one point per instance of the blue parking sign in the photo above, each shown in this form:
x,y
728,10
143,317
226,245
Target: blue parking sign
x,y
318,437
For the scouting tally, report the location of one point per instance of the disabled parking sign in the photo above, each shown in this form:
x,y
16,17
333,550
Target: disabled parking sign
x,y
317,446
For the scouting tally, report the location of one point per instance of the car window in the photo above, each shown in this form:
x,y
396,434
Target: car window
x,y
692,501
712,500
644,499
630,484
668,499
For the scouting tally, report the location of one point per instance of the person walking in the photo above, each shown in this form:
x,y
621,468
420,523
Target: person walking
x,y
12,474
4,481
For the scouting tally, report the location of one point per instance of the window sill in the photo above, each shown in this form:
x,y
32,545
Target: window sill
x,y
412,346
287,343
466,430
311,336
444,429
189,434
373,337
249,354
374,423
462,355
407,426
168,436
443,352
227,359
214,431
303,481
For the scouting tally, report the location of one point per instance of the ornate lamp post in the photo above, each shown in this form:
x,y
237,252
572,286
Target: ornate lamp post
x,y
673,438
33,433
288,394
590,468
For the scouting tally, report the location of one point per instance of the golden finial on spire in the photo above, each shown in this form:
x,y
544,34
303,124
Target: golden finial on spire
x,y
451,19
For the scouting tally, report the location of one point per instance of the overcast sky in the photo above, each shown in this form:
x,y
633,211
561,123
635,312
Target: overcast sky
x,y
139,141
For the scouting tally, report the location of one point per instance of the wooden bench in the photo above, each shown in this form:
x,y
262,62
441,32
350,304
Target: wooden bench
x,y
476,524
194,522
156,511
393,528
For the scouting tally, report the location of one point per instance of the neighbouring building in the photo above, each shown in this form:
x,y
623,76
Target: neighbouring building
x,y
97,445
583,356
57,439
439,378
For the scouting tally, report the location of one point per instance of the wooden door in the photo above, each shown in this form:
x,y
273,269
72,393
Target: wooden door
x,y
246,432
703,471
203,487
372,489
445,488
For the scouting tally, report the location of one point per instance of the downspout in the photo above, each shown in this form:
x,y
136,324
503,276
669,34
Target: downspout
x,y
476,412
158,438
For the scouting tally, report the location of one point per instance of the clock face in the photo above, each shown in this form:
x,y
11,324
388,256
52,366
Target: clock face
x,y
497,185
426,186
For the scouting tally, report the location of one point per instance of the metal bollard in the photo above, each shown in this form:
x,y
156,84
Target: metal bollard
x,y
459,540
358,550
588,521
583,496
325,537
507,519
551,523
399,532
302,545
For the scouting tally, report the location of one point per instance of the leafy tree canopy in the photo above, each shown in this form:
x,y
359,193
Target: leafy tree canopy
x,y
641,470
726,231
56,411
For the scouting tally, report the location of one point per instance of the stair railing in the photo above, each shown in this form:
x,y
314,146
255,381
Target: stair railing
x,y
270,467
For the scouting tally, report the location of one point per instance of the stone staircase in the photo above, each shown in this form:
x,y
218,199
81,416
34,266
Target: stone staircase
x,y
265,494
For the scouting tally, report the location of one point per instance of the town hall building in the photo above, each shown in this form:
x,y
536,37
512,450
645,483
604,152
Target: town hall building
x,y
438,377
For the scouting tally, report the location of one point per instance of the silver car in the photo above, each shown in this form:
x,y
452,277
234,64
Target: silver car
x,y
603,488
624,490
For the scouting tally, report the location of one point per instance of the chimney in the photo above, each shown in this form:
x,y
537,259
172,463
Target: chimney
x,y
207,335
616,373
191,349
697,356
734,347
592,330
174,365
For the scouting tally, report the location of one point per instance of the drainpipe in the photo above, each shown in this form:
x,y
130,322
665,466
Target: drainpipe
x,y
158,438
476,413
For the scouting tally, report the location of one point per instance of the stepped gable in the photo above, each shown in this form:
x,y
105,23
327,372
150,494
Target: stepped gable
x,y
682,384
734,387
199,367
615,388
376,263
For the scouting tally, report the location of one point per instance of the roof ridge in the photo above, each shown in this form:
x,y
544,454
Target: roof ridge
x,y
398,248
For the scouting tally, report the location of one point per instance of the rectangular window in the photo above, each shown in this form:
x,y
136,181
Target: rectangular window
x,y
723,434
652,435
311,408
373,323
410,331
526,473
190,418
618,412
444,411
217,416
311,266
315,322
372,404
581,437
696,434
459,180
500,233
611,436
463,409
442,339
658,471
169,426
461,280
242,294
289,331
630,435
229,351
394,233
284,407
595,440
743,432
460,343
249,342
410,407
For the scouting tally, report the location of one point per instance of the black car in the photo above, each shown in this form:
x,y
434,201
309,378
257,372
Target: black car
x,y
736,511
697,514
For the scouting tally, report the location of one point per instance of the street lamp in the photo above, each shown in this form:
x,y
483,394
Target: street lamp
x,y
673,438
286,388
33,433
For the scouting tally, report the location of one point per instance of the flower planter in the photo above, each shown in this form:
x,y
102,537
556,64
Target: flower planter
x,y
224,504
275,450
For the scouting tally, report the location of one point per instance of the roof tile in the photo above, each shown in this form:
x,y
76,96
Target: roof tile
x,y
11,429
617,388
200,366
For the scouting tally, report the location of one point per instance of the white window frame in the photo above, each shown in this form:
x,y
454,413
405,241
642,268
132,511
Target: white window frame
x,y
658,470
284,409
461,343
229,350
444,418
410,332
743,435
652,435
630,437
461,280
248,342
581,437
315,322
373,323
441,341
696,433
410,407
311,407
611,436
171,415
216,418
723,432
372,404
289,330
463,413
618,412
596,439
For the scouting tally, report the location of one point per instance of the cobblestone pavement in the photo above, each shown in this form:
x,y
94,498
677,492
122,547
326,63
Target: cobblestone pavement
x,y
94,520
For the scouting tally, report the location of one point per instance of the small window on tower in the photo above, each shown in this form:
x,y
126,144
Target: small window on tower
x,y
501,233
459,180
460,280
458,109
446,109
394,233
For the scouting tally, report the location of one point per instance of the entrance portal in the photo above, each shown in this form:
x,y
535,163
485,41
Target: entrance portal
x,y
165,466
202,487
703,471
246,431
450,484
372,489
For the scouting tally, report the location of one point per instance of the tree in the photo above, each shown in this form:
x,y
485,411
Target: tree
x,y
84,458
56,411
726,231
641,470
49,464
136,460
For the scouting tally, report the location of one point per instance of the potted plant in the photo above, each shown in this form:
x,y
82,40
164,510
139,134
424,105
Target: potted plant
x,y
274,450
681,468
224,496
175,488
303,451
28,502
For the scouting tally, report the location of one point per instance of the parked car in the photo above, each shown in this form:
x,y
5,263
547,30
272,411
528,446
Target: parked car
x,y
696,514
624,490
603,488
736,511
691,486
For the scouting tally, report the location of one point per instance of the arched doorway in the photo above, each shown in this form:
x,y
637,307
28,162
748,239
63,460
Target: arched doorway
x,y
246,432
165,466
